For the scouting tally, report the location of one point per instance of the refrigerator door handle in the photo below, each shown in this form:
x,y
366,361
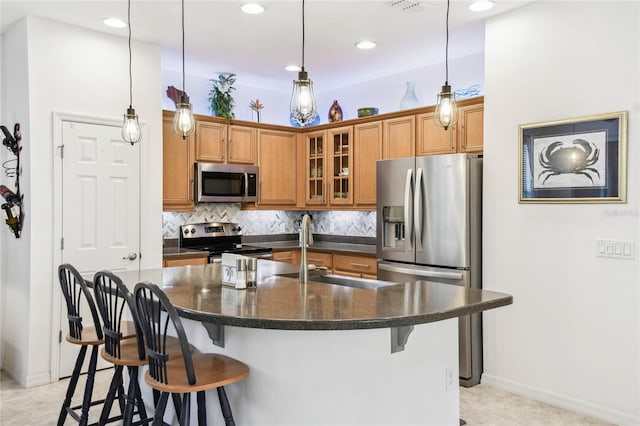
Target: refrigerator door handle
x,y
417,209
408,222
421,273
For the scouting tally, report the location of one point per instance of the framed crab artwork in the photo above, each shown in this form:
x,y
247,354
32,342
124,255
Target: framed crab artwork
x,y
578,160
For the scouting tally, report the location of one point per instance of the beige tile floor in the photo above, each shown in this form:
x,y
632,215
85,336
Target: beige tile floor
x,y
479,405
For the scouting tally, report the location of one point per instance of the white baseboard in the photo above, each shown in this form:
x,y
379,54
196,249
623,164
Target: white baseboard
x,y
28,381
562,401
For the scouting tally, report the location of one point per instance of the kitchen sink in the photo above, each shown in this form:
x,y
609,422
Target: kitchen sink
x,y
317,276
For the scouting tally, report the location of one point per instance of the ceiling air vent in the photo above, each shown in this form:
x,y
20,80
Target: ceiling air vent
x,y
405,5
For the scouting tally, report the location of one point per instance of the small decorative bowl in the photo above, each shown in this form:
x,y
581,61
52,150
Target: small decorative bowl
x,y
365,112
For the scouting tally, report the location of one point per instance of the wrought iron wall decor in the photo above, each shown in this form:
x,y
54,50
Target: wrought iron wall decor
x,y
12,168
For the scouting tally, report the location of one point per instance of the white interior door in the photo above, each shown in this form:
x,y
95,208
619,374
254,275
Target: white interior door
x,y
100,208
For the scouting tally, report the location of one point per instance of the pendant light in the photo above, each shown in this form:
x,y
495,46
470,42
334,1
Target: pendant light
x,y
446,114
184,124
303,101
130,128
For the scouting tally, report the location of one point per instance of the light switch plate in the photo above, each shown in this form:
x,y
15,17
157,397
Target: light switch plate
x,y
617,249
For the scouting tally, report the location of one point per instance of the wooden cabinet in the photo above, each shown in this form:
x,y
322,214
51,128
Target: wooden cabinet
x,y
315,170
471,128
432,139
320,258
287,256
277,157
399,138
355,266
340,145
367,149
177,162
224,143
184,262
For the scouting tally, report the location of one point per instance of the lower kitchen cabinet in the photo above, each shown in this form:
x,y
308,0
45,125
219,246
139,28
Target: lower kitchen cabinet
x,y
184,262
355,266
320,258
287,256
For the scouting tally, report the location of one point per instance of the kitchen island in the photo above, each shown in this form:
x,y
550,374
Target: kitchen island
x,y
324,354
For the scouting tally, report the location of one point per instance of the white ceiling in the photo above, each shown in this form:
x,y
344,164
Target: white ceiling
x,y
220,38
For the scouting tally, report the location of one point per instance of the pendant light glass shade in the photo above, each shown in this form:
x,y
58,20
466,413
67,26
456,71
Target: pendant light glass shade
x,y
303,100
184,124
446,110
131,128
446,114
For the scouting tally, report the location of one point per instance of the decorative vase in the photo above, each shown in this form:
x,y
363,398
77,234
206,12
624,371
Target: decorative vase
x,y
409,100
335,112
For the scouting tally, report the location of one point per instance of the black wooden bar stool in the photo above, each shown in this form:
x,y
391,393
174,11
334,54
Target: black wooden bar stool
x,y
113,301
195,372
75,291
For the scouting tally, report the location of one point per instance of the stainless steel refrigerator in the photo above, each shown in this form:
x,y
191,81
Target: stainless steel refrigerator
x,y
429,227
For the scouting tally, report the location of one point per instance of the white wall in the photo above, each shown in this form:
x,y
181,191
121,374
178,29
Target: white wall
x,y
15,260
75,71
384,93
572,335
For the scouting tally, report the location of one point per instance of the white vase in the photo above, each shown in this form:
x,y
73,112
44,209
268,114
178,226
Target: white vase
x,y
410,100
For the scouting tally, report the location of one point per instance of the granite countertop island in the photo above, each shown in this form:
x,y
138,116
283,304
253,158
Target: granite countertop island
x,y
319,353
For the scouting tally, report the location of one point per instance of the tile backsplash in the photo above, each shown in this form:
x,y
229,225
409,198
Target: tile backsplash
x,y
264,222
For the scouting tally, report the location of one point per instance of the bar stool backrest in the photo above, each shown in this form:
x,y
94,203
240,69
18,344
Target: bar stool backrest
x,y
113,298
74,290
152,303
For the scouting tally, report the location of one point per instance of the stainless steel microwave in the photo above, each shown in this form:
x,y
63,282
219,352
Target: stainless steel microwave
x,y
225,183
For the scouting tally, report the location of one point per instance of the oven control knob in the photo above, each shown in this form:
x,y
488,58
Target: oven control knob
x,y
237,229
185,231
193,230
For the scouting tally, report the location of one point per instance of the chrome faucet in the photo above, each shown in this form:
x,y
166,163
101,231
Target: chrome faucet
x,y
306,238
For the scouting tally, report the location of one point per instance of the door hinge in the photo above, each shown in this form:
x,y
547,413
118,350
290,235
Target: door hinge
x,y
62,243
61,148
59,336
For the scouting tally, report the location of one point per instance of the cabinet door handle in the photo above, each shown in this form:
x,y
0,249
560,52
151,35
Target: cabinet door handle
x,y
359,265
315,259
284,258
230,148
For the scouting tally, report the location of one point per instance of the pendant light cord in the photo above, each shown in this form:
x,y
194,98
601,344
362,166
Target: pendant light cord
x,y
302,35
183,88
130,74
446,50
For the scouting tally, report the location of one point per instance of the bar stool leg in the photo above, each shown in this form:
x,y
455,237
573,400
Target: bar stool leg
x,y
116,382
185,414
72,385
225,407
160,407
88,389
202,409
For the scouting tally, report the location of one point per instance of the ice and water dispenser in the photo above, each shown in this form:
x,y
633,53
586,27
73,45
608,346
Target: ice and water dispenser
x,y
393,227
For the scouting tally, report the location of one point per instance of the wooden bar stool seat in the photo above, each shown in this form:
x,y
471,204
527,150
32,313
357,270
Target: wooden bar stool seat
x,y
194,372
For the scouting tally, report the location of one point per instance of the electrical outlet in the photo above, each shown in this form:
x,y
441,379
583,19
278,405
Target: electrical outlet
x,y
282,228
449,379
619,249
332,227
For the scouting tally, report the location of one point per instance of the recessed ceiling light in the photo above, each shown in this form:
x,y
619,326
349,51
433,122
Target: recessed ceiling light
x,y
366,44
114,22
481,5
252,8
293,68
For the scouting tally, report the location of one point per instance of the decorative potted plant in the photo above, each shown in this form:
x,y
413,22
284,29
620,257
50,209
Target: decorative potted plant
x,y
221,101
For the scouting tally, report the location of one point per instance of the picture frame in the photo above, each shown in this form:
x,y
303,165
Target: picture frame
x,y
576,160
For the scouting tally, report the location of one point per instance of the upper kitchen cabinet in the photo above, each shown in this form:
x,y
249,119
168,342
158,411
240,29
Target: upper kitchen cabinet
x,y
433,139
315,170
177,158
225,143
399,137
471,128
340,141
367,148
465,136
277,167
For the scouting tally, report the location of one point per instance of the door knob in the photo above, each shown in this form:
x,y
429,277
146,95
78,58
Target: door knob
x,y
132,256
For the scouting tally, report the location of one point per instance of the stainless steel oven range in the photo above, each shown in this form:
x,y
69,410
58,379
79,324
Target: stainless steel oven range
x,y
218,238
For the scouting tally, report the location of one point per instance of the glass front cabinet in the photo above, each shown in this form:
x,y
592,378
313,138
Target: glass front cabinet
x,y
329,165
